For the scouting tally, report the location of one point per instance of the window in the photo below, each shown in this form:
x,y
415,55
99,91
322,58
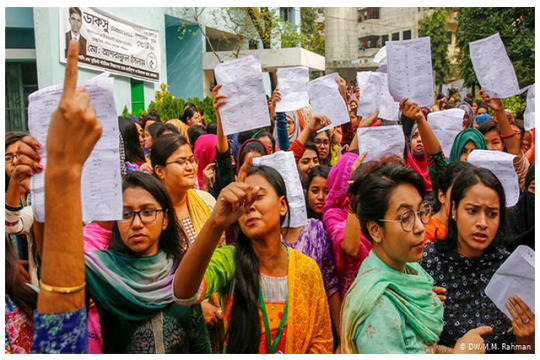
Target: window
x,y
137,96
21,81
395,36
285,13
368,13
369,42
406,34
384,39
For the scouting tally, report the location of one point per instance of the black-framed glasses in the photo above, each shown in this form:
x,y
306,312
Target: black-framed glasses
x,y
11,157
321,142
408,218
147,216
183,161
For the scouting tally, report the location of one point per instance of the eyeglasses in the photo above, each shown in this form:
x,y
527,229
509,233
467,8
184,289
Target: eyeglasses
x,y
147,216
408,218
11,157
183,162
321,142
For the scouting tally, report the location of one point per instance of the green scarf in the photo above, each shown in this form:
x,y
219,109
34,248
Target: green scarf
x,y
411,294
461,139
132,288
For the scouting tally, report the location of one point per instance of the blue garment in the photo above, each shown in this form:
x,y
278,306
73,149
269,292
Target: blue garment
x,y
63,333
282,134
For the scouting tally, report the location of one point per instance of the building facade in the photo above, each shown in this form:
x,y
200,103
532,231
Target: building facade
x,y
185,35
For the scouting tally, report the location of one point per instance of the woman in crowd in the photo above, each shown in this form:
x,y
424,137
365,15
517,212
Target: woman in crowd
x,y
194,133
167,129
437,229
192,116
133,151
416,157
150,135
267,139
204,150
520,222
274,298
323,141
391,307
469,119
309,160
317,191
335,146
464,262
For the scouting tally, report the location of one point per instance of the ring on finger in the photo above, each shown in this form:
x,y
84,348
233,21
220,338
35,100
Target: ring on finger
x,y
526,321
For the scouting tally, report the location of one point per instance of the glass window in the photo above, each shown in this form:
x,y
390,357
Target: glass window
x,y
406,34
21,81
395,36
384,39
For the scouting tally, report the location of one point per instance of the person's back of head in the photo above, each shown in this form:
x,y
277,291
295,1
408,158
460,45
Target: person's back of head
x,y
194,132
246,135
211,128
130,137
167,129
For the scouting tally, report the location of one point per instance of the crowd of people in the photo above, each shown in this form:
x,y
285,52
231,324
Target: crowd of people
x,y
395,256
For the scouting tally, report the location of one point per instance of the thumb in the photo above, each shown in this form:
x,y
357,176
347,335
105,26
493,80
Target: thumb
x,y
483,330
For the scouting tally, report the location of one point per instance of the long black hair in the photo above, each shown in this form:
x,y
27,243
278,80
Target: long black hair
x,y
322,171
164,146
463,182
251,145
189,112
194,132
21,294
444,179
130,136
169,240
244,333
373,185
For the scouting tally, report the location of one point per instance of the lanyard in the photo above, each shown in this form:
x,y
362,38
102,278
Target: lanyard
x,y
271,346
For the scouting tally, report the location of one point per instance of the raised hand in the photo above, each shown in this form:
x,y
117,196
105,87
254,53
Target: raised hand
x,y
493,103
440,291
74,128
342,86
235,199
276,96
209,175
411,110
523,322
219,100
318,122
28,162
358,162
472,342
367,121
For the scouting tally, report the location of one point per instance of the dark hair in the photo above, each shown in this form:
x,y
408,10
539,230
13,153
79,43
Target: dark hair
x,y
164,146
373,185
189,105
264,133
130,136
153,130
488,126
22,295
211,128
167,127
244,332
311,146
482,105
75,10
169,240
312,137
463,182
246,135
152,115
322,171
444,179
194,132
251,146
189,112
11,138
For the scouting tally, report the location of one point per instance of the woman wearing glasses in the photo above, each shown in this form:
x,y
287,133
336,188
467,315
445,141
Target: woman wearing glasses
x,y
322,140
175,165
464,262
391,306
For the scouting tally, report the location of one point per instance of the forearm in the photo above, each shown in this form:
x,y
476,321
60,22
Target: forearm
x,y
283,136
430,141
222,143
334,302
13,195
351,239
512,143
191,271
63,259
304,135
354,143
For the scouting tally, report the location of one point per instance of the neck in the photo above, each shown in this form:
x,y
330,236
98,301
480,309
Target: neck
x,y
467,251
293,234
396,265
272,255
178,197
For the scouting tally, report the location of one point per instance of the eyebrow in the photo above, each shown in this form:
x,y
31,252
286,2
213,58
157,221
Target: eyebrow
x,y
141,206
404,206
477,205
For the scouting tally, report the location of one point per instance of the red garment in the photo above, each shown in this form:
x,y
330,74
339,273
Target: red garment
x,y
421,167
298,149
205,152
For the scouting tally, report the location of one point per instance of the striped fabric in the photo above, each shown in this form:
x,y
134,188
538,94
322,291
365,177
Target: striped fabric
x,y
274,288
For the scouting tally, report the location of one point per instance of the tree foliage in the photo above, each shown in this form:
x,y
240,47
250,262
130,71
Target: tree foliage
x,y
434,25
313,32
516,26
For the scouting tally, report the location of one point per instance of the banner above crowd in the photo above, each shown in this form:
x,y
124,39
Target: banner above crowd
x,y
108,43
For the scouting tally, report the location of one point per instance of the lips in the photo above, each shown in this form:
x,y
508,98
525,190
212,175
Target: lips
x,y
419,245
251,221
319,205
480,237
137,237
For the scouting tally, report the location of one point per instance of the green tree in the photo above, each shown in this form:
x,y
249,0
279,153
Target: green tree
x,y
516,26
434,25
313,31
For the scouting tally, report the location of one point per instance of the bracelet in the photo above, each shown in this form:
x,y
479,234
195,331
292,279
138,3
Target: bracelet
x,y
507,136
61,290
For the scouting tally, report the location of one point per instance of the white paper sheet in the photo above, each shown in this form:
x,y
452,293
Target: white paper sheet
x,y
374,94
101,185
293,85
380,58
381,140
247,107
326,100
514,277
493,67
410,73
530,112
284,163
446,125
502,165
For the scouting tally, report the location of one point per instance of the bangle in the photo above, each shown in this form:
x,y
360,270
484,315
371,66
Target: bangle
x,y
507,136
61,290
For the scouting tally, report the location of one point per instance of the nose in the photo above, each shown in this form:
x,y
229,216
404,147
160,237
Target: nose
x,y
481,221
137,221
419,226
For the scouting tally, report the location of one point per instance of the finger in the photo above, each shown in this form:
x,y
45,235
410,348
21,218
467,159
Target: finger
x,y
220,96
216,88
23,262
439,289
523,306
26,161
30,141
402,102
248,162
376,113
515,316
483,330
82,97
519,309
70,78
27,151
